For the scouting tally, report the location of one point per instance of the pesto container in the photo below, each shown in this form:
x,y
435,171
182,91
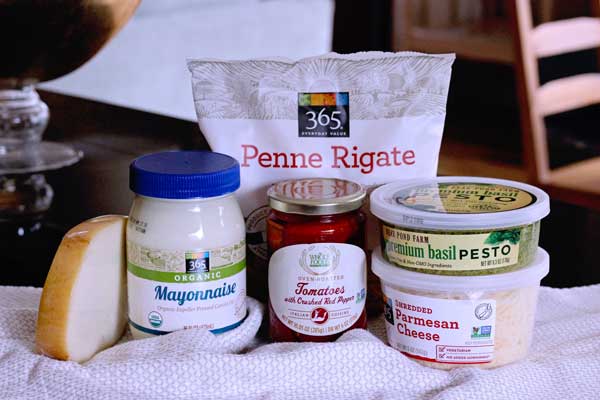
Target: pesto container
x,y
459,225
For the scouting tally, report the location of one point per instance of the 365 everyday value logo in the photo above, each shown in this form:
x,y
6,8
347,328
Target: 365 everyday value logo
x,y
324,114
197,262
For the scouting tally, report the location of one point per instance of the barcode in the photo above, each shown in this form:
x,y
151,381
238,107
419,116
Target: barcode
x,y
499,261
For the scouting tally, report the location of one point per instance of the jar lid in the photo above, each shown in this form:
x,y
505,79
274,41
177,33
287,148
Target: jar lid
x,y
460,203
524,277
316,196
184,175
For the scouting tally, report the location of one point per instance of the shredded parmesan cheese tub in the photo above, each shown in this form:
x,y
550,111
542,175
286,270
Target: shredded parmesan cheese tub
x,y
446,322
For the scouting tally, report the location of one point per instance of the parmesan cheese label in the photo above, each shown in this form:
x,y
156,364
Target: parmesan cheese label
x,y
440,330
174,290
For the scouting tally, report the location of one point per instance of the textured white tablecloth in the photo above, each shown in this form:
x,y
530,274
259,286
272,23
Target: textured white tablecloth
x,y
564,362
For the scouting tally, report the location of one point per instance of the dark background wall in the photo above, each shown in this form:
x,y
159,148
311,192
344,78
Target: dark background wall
x,y
361,25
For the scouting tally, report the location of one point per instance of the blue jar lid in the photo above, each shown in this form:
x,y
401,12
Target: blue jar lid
x,y
184,175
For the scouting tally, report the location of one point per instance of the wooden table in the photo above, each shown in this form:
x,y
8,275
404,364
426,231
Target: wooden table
x,y
111,137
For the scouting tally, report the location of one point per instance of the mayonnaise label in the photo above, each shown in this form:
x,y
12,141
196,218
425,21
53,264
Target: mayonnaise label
x,y
173,290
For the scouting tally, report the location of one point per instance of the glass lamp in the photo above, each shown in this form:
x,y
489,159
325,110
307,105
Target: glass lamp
x,y
40,41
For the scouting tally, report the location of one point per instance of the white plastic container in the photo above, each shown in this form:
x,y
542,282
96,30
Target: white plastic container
x,y
185,244
452,321
459,225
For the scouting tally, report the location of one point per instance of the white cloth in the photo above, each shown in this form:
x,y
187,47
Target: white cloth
x,y
564,362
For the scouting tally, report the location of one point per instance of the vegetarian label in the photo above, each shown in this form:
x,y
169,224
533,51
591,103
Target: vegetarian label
x,y
173,290
440,330
461,252
318,289
464,198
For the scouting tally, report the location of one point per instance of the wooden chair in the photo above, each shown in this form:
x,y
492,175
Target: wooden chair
x,y
464,27
577,183
473,29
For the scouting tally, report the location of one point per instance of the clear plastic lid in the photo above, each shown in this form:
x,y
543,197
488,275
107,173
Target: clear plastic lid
x,y
525,277
459,203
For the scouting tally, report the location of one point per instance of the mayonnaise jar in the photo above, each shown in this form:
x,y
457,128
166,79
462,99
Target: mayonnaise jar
x,y
186,259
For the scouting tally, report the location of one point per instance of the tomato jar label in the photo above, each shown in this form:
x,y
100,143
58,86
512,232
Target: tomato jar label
x,y
440,330
318,289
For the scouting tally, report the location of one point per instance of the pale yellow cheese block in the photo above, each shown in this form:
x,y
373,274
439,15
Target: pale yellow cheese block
x,y
83,308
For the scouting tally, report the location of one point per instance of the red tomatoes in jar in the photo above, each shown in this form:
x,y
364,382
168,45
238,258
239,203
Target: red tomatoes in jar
x,y
317,267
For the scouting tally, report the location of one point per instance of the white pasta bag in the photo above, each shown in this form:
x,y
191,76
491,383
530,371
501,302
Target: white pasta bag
x,y
367,117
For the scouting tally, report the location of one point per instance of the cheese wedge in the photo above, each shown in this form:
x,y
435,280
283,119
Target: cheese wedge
x,y
83,308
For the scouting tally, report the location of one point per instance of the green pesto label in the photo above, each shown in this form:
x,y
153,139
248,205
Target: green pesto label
x,y
451,252
463,198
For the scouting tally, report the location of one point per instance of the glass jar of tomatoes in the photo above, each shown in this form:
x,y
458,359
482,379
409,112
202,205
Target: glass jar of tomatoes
x,y
317,266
